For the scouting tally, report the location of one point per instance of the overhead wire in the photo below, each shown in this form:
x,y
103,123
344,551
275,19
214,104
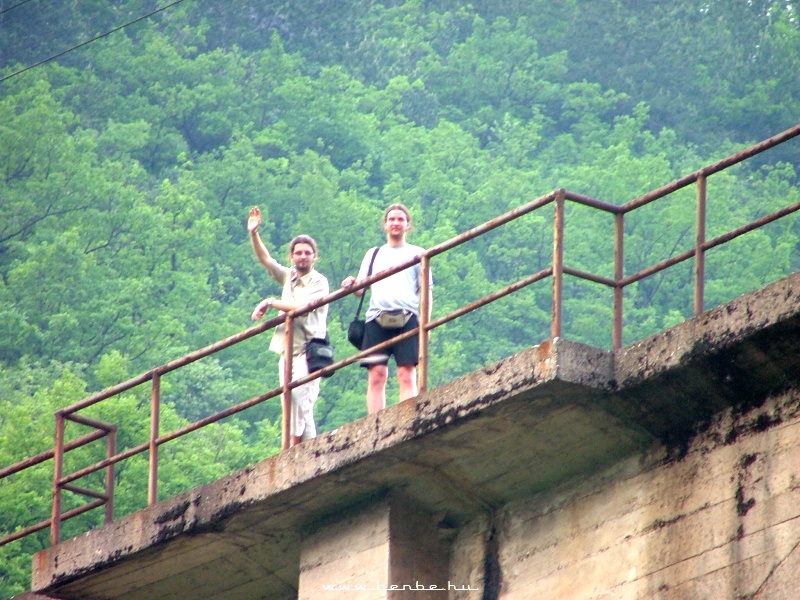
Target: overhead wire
x,y
82,44
17,5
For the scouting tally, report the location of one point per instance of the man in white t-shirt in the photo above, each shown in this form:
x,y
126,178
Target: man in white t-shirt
x,y
393,309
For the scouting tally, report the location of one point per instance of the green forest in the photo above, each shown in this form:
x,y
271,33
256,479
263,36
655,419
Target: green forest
x,y
135,136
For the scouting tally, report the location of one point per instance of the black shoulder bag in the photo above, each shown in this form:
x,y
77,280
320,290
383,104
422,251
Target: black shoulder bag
x,y
319,351
319,354
355,333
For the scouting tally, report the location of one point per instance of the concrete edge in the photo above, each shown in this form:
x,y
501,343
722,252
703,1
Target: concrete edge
x,y
712,331
202,508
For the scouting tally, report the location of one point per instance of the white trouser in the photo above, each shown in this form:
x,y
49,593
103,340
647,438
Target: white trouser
x,y
301,416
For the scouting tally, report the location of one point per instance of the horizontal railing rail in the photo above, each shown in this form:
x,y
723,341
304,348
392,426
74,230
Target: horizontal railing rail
x,y
556,271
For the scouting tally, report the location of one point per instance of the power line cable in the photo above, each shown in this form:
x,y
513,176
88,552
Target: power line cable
x,y
94,39
18,4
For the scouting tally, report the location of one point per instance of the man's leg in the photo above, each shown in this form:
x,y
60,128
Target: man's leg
x,y
406,354
376,388
301,417
407,379
377,367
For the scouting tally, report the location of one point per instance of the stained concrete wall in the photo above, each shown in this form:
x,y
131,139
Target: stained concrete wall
x,y
721,521
386,549
351,553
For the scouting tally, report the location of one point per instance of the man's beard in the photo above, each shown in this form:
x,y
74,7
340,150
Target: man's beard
x,y
396,236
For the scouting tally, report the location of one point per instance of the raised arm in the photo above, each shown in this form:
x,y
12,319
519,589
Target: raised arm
x,y
253,223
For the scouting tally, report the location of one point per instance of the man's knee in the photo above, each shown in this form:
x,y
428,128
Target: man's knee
x,y
378,374
406,373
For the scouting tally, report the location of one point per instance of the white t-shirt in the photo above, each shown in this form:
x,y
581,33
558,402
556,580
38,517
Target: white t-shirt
x,y
399,291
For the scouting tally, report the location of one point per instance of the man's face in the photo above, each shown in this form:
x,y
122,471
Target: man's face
x,y
396,223
303,257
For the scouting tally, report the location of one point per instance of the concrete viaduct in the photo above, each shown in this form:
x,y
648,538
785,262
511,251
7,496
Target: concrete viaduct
x,y
669,469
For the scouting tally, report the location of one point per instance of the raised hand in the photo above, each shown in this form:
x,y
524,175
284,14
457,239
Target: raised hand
x,y
254,220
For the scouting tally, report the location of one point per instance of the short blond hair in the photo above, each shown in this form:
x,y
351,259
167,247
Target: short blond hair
x,y
303,239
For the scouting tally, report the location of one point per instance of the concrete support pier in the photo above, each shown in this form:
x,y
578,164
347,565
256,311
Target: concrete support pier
x,y
386,549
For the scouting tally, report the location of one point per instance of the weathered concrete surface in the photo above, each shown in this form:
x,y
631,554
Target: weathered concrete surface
x,y
721,522
348,552
532,423
736,354
375,551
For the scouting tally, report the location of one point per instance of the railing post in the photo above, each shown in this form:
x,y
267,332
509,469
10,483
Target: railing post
x,y
558,264
286,398
58,459
155,412
619,273
111,449
424,318
700,253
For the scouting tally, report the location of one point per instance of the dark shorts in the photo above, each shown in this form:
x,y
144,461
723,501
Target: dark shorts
x,y
405,352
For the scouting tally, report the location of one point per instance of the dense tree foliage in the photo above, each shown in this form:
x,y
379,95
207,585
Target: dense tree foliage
x,y
128,166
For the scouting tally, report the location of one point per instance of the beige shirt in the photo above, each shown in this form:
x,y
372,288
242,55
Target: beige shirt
x,y
300,291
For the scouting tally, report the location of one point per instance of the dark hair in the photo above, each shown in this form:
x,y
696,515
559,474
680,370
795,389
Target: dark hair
x,y
303,239
397,206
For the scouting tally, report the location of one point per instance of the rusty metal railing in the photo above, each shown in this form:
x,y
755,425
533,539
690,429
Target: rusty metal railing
x,y
557,270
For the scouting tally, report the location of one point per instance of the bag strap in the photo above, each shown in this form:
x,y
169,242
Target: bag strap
x,y
369,272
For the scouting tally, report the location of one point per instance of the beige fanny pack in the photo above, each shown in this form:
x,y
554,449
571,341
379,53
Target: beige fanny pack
x,y
393,319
